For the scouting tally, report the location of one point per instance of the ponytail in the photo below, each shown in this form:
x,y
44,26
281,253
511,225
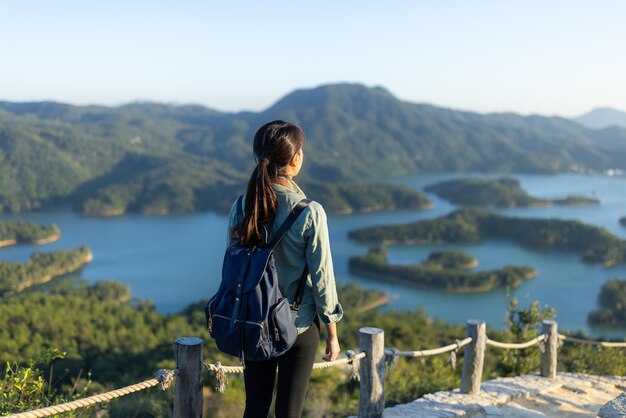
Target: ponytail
x,y
275,144
260,206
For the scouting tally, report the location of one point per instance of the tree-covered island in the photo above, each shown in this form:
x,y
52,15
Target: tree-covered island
x,y
451,260
597,245
434,274
503,192
20,232
41,268
612,302
622,221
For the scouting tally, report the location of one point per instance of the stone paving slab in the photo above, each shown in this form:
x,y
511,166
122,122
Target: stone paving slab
x,y
614,409
570,395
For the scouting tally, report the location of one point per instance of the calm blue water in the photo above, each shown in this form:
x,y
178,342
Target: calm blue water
x,y
176,260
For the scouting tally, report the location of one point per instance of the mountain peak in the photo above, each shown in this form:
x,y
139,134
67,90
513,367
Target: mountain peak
x,y
602,117
330,92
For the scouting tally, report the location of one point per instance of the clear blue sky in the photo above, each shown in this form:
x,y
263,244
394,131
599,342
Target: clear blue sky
x,y
547,57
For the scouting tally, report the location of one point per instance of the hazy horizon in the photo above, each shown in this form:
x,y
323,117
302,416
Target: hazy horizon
x,y
180,104
559,58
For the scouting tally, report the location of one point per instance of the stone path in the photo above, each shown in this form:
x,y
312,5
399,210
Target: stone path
x,y
570,395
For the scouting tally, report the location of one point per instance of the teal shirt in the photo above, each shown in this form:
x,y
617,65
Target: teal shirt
x,y
306,242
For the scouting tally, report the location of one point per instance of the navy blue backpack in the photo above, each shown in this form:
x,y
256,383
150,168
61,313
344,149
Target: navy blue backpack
x,y
248,316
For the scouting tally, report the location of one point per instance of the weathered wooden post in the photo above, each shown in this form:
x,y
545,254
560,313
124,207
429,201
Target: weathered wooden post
x,y
473,357
372,370
188,393
549,354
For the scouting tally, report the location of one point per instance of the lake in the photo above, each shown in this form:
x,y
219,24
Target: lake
x,y
176,260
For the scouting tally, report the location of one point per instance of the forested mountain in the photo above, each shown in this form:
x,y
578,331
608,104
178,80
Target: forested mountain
x,y
602,117
156,158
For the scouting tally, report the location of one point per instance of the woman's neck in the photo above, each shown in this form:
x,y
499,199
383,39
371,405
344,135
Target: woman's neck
x,y
283,181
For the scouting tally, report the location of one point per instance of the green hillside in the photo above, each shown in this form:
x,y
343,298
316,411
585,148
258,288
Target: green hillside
x,y
99,334
155,158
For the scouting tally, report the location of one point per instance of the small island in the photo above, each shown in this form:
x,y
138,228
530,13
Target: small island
x,y
41,268
435,275
20,232
622,221
612,301
596,244
503,192
451,260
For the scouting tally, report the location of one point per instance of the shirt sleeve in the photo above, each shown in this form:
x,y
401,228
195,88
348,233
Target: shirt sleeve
x,y
320,264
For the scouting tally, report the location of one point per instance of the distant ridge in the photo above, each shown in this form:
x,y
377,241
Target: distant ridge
x,y
160,158
602,117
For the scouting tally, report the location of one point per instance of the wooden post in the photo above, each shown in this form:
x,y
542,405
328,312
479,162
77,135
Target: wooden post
x,y
372,370
551,344
473,357
188,394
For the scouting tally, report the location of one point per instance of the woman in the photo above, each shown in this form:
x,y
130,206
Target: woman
x,y
270,197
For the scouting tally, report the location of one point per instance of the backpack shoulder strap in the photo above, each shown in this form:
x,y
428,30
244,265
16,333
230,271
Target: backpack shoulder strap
x,y
293,215
295,306
239,216
295,212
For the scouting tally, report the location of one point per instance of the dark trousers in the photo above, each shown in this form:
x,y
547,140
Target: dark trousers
x,y
294,371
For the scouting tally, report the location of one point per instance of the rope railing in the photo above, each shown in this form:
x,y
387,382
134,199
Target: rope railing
x,y
340,362
517,346
217,367
476,341
163,377
592,342
461,343
220,371
432,352
372,349
379,359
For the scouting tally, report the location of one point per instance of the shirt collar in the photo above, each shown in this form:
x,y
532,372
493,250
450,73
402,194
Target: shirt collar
x,y
283,189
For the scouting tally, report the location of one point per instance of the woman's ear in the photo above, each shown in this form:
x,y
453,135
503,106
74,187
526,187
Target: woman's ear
x,y
295,164
295,161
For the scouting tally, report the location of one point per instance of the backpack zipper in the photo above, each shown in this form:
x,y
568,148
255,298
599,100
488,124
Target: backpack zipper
x,y
258,324
276,334
276,331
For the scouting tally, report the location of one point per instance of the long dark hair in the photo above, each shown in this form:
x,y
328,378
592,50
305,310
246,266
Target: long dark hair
x,y
275,145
